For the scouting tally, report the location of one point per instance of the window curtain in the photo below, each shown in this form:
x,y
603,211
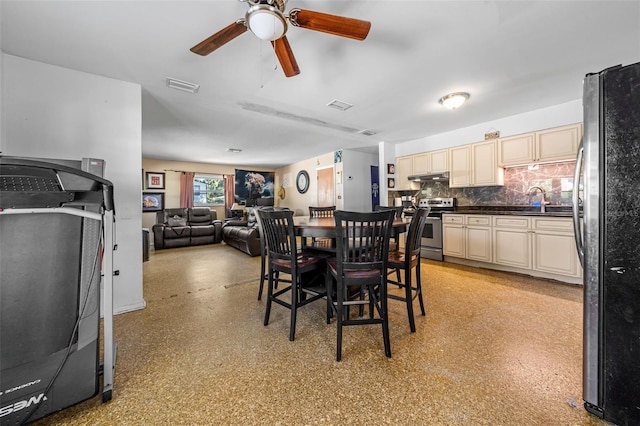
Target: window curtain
x,y
229,190
186,189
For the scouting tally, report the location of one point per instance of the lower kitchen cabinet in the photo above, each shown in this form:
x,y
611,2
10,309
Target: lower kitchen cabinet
x,y
554,247
512,241
539,246
467,236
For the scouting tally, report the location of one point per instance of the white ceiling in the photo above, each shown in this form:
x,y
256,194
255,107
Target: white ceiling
x,y
512,56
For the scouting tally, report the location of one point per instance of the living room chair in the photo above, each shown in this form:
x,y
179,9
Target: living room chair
x,y
283,258
359,269
406,261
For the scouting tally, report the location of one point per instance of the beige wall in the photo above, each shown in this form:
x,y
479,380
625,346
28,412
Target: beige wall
x,y
172,181
286,177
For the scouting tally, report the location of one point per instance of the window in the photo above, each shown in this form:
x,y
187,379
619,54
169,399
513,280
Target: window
x,y
208,190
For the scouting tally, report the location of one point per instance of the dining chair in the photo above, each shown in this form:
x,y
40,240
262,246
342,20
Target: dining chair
x,y
406,261
284,258
263,254
359,270
393,244
322,244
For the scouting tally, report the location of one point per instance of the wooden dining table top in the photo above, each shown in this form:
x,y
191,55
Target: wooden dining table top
x,y
326,226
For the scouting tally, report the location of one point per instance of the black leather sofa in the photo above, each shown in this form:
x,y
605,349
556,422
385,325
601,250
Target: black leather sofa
x,y
186,227
243,234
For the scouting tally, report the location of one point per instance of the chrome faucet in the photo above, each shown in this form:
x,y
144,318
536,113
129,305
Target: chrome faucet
x,y
543,202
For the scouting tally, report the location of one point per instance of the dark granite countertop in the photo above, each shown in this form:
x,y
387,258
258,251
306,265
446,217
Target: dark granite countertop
x,y
552,211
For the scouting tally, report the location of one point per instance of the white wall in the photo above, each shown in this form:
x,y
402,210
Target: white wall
x,y
544,118
54,112
357,180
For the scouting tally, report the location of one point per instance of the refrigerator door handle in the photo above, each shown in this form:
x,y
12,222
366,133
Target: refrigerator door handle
x,y
575,197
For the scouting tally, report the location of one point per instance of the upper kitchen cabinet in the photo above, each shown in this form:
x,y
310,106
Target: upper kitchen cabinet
x,y
404,169
475,165
557,144
430,162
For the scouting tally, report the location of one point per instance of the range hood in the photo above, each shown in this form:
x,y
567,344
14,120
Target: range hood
x,y
429,177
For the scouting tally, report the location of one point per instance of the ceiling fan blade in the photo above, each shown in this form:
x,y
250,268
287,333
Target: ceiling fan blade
x,y
220,38
285,56
331,24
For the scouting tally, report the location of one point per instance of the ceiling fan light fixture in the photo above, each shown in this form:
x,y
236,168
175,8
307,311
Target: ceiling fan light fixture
x,y
453,100
266,22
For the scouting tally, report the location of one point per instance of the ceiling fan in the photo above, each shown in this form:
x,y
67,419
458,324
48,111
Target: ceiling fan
x,y
266,19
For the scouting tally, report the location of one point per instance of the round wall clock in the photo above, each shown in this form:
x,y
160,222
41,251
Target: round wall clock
x,y
302,181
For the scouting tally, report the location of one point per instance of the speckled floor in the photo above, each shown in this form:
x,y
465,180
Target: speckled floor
x,y
493,349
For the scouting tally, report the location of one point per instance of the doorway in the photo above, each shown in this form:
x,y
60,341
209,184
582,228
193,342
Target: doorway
x,y
326,196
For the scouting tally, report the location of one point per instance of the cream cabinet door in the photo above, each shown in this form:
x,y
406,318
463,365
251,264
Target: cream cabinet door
x,y
439,161
404,169
554,246
516,150
453,241
560,143
511,247
460,166
512,241
478,241
421,163
485,165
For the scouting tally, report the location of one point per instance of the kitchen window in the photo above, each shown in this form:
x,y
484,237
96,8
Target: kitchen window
x,y
208,190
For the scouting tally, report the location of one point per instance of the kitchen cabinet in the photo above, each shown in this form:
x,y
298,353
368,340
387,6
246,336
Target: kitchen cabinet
x,y
431,162
535,245
475,165
425,163
467,236
554,247
556,144
460,166
512,241
404,169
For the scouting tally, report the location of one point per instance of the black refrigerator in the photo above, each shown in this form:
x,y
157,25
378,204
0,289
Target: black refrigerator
x,y
608,238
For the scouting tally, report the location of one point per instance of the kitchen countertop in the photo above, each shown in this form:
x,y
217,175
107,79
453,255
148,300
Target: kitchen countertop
x,y
551,211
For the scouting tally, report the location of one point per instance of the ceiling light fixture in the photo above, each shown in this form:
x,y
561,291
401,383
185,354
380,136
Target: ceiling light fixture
x,y
454,100
234,150
267,22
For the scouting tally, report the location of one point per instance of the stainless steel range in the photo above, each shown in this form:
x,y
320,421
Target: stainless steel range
x,y
431,242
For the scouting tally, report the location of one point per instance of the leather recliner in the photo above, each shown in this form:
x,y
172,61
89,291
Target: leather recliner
x,y
186,227
243,234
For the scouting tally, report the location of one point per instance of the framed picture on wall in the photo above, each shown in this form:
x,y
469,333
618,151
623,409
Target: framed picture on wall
x,y
391,183
391,169
154,180
152,201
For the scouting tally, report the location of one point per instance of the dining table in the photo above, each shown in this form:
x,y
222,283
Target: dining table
x,y
325,227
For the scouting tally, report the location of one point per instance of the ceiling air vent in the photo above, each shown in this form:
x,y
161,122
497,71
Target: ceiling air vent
x,y
234,150
341,105
367,132
185,86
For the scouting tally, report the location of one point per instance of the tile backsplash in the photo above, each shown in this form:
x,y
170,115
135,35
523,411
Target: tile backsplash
x,y
555,178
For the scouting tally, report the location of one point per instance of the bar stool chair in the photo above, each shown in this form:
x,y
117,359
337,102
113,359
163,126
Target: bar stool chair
x,y
264,275
407,260
283,258
398,215
360,269
322,244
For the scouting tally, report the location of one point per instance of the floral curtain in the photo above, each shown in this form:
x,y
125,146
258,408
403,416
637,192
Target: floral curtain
x,y
186,189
